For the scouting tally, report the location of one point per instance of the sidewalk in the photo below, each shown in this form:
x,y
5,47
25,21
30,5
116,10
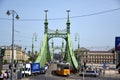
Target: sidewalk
x,y
23,79
113,73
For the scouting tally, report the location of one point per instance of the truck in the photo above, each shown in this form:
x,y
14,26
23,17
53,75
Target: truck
x,y
30,69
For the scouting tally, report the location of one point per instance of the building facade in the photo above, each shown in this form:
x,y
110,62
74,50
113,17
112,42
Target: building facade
x,y
96,57
19,54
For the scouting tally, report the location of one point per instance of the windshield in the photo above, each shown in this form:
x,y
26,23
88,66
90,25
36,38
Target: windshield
x,y
25,69
90,71
42,68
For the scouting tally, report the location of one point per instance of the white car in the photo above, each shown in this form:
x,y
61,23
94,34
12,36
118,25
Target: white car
x,y
45,67
90,73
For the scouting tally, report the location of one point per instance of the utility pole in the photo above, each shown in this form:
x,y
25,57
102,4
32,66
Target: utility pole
x,y
17,17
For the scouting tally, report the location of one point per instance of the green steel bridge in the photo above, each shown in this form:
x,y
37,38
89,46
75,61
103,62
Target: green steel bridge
x,y
45,54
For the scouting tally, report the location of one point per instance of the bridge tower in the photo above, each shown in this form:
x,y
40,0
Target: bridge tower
x,y
45,54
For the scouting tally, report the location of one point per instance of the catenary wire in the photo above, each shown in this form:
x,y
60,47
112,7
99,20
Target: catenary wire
x,y
86,15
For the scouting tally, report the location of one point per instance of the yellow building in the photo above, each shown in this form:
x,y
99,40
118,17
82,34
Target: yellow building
x,y
19,54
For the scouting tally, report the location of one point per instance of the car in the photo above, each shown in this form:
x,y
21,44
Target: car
x,y
45,67
42,70
90,73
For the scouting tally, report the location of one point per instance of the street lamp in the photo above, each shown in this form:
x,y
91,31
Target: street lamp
x,y
17,17
34,38
77,37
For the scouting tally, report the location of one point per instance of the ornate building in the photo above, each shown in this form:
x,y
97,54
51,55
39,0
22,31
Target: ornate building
x,y
96,57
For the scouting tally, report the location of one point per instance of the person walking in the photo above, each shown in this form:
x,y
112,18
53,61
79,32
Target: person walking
x,y
7,75
1,76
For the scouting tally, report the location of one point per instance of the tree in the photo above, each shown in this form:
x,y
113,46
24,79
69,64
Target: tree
x,y
34,58
29,53
5,62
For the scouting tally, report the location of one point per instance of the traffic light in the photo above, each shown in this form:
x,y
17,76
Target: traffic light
x,y
15,65
10,66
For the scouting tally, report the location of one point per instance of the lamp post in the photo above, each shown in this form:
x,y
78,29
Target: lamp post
x,y
34,38
77,37
25,55
13,13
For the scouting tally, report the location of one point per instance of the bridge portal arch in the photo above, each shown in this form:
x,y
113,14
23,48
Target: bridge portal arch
x,y
64,34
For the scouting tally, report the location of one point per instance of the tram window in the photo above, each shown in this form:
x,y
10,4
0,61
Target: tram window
x,y
66,67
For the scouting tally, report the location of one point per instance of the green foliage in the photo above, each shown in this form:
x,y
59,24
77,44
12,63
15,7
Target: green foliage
x,y
5,62
33,58
15,61
27,61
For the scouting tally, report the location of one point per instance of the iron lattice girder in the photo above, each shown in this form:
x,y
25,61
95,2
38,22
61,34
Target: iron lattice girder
x,y
57,33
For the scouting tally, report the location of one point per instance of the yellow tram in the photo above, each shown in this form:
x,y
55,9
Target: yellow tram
x,y
63,69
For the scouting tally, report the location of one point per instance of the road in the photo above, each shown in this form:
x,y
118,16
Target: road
x,y
45,77
72,77
109,75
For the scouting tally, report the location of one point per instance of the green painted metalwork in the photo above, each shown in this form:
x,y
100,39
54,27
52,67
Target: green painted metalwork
x,y
46,22
42,58
52,54
72,57
45,55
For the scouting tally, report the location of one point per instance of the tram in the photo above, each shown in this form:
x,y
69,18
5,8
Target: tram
x,y
63,69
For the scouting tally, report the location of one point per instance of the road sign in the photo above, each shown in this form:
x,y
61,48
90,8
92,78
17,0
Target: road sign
x,y
117,43
104,65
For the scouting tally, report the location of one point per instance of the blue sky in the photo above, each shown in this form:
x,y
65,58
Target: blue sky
x,y
97,32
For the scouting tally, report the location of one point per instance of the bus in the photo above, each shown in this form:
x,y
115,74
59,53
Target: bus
x,y
63,69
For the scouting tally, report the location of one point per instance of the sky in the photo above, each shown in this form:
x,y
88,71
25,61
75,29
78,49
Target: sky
x,y
96,22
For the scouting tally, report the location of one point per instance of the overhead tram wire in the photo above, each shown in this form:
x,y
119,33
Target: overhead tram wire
x,y
86,15
97,13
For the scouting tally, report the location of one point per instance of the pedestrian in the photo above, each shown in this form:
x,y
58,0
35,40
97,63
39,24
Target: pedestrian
x,y
7,74
1,76
103,72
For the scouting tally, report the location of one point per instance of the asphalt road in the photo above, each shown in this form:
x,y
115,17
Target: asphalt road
x,y
109,75
45,77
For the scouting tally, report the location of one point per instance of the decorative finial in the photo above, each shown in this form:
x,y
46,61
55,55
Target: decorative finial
x,y
46,21
46,10
68,21
45,15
